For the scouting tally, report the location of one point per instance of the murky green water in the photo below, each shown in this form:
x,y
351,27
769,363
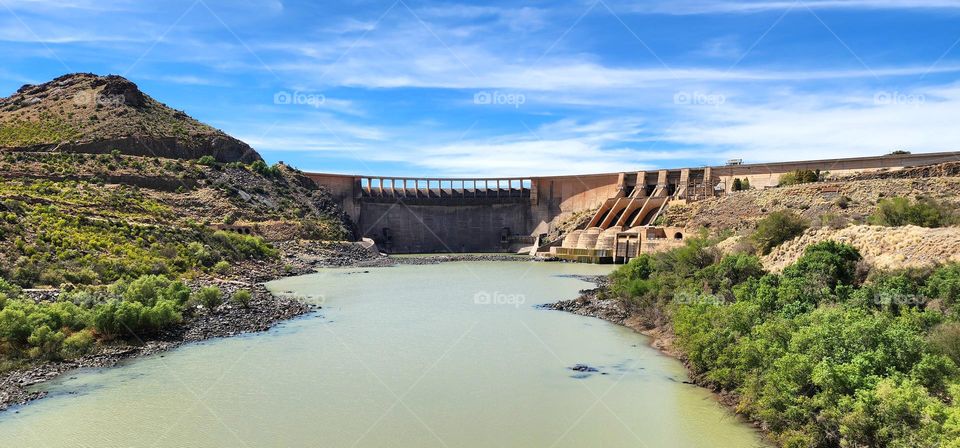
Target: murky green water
x,y
449,355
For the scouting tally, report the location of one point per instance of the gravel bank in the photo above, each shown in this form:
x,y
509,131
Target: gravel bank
x,y
265,311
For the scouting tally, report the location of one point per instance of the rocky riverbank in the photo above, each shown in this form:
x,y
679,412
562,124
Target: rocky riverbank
x,y
594,303
263,312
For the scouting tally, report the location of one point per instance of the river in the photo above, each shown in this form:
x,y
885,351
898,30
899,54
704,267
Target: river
x,y
446,355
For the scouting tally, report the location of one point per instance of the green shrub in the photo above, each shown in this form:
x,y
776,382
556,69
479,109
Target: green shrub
x,y
45,343
207,160
799,177
244,246
740,184
944,284
777,228
260,167
222,267
133,319
945,340
149,289
242,298
209,296
78,344
924,212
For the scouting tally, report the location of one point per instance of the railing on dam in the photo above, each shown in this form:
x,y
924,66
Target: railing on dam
x,y
407,188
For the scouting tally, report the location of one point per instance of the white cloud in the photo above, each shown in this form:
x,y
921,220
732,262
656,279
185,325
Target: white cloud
x,y
792,128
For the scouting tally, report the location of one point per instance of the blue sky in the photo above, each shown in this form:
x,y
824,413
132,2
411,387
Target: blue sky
x,y
520,88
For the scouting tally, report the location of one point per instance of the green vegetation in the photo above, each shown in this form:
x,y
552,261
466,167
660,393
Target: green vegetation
x,y
207,161
799,177
775,229
209,297
57,233
260,167
81,319
821,355
741,185
47,129
923,212
242,298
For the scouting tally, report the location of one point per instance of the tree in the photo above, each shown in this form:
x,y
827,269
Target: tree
x,y
925,212
777,228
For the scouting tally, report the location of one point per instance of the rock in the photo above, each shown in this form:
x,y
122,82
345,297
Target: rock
x,y
583,368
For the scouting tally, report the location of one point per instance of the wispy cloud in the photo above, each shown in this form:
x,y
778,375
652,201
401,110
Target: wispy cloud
x,y
796,126
600,86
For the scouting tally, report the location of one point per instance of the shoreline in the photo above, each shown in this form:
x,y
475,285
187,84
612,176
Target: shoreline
x,y
661,339
265,311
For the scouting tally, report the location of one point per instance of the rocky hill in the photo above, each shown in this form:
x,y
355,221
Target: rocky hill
x,y
86,113
98,181
840,201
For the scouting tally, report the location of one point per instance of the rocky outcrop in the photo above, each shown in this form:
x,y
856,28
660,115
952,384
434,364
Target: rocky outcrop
x,y
86,113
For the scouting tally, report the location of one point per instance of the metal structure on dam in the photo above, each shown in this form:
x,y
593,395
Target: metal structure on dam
x,y
419,215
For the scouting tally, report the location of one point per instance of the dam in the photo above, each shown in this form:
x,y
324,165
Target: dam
x,y
434,215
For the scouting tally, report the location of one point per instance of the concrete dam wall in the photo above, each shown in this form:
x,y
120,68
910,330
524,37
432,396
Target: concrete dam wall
x,y
432,228
414,215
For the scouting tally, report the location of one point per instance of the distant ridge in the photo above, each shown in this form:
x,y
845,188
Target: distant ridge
x,y
87,113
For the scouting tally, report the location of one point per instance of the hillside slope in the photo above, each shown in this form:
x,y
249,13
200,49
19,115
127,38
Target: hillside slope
x,y
844,201
884,248
87,113
98,182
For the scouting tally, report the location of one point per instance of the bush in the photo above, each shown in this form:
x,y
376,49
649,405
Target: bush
x,y
149,289
209,296
944,284
244,246
260,167
134,319
242,297
740,184
207,160
924,212
45,343
799,177
222,267
777,228
78,344
945,340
